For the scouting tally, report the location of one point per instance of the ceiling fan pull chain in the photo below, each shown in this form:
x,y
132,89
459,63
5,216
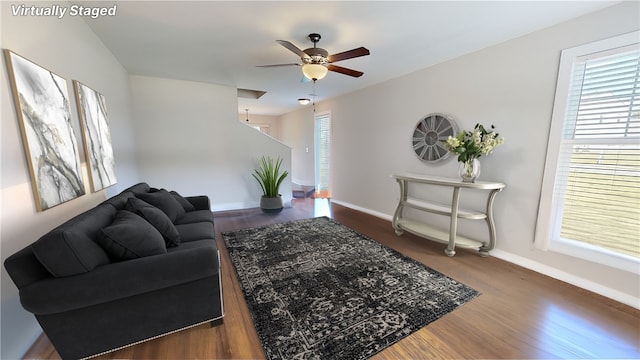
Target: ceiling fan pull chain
x,y
314,95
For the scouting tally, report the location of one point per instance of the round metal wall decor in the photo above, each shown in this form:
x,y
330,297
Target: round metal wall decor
x,y
430,134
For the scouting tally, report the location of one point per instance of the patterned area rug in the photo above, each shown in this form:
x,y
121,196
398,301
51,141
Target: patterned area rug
x,y
317,289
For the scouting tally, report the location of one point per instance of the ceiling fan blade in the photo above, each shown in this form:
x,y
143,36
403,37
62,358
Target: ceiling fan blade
x,y
293,48
278,65
361,51
344,70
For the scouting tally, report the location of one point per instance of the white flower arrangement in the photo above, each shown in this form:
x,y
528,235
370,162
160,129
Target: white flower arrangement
x,y
469,145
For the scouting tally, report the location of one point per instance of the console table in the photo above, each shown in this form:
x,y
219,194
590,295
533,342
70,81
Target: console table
x,y
401,224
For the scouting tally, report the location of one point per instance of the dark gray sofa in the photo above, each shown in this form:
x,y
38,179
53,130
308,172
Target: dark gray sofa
x,y
119,274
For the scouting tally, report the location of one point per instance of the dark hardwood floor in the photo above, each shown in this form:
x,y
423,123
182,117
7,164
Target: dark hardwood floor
x,y
520,314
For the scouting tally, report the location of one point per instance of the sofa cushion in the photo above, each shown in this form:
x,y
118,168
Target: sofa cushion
x,y
164,201
131,237
194,245
112,286
200,202
119,201
71,248
184,202
139,188
195,231
195,216
157,218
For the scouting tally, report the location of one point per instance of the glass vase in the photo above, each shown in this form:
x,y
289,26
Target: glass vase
x,y
469,170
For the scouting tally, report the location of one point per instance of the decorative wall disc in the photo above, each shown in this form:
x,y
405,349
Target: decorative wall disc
x,y
430,134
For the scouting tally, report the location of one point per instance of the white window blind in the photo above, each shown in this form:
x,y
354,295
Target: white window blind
x,y
323,155
596,188
599,170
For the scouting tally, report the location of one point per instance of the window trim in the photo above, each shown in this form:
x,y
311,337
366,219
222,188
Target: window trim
x,y
547,204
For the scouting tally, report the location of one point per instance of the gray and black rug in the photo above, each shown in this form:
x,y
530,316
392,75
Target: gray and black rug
x,y
317,289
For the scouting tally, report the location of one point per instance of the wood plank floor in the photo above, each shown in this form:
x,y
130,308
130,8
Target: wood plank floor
x,y
520,314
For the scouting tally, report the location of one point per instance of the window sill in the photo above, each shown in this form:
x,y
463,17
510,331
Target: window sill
x,y
596,255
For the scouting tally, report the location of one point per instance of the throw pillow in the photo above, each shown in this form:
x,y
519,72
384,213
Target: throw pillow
x,y
165,202
157,218
184,202
131,237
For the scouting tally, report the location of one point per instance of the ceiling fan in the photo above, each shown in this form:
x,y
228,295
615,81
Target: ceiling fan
x,y
316,62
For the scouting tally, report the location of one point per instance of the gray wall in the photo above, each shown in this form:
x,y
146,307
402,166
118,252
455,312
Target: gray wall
x,y
179,135
68,48
297,130
510,85
190,140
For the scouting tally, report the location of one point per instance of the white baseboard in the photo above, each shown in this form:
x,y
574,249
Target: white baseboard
x,y
364,210
233,206
535,266
242,206
568,278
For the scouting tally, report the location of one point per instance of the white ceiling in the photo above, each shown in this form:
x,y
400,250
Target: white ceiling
x,y
222,42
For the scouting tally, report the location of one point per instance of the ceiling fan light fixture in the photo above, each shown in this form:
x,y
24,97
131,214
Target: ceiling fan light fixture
x,y
303,101
314,71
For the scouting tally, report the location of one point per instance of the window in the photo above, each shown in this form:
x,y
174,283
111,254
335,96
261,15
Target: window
x,y
322,154
590,203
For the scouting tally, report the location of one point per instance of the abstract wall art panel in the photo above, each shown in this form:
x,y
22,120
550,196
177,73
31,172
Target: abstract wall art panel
x,y
42,105
97,137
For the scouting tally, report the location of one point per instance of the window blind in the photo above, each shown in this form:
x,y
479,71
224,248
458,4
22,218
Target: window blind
x,y
322,154
598,175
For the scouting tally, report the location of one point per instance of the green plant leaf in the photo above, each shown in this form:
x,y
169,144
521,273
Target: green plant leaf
x,y
269,176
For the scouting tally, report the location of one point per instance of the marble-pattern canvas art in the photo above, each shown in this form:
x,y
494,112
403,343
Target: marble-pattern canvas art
x,y
42,104
97,137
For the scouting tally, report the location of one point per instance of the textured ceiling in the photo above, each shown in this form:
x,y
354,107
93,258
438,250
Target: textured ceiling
x,y
222,42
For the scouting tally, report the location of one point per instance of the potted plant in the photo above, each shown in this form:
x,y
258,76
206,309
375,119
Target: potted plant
x,y
270,177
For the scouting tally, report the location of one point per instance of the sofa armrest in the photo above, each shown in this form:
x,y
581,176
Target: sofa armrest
x,y
200,202
24,268
120,280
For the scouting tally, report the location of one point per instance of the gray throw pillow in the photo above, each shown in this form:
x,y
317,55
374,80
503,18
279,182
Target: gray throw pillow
x,y
184,202
165,202
131,237
157,218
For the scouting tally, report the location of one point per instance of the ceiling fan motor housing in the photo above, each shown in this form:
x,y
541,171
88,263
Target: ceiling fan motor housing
x,y
316,56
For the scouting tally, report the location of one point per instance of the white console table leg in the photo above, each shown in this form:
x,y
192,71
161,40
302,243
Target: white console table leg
x,y
453,227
